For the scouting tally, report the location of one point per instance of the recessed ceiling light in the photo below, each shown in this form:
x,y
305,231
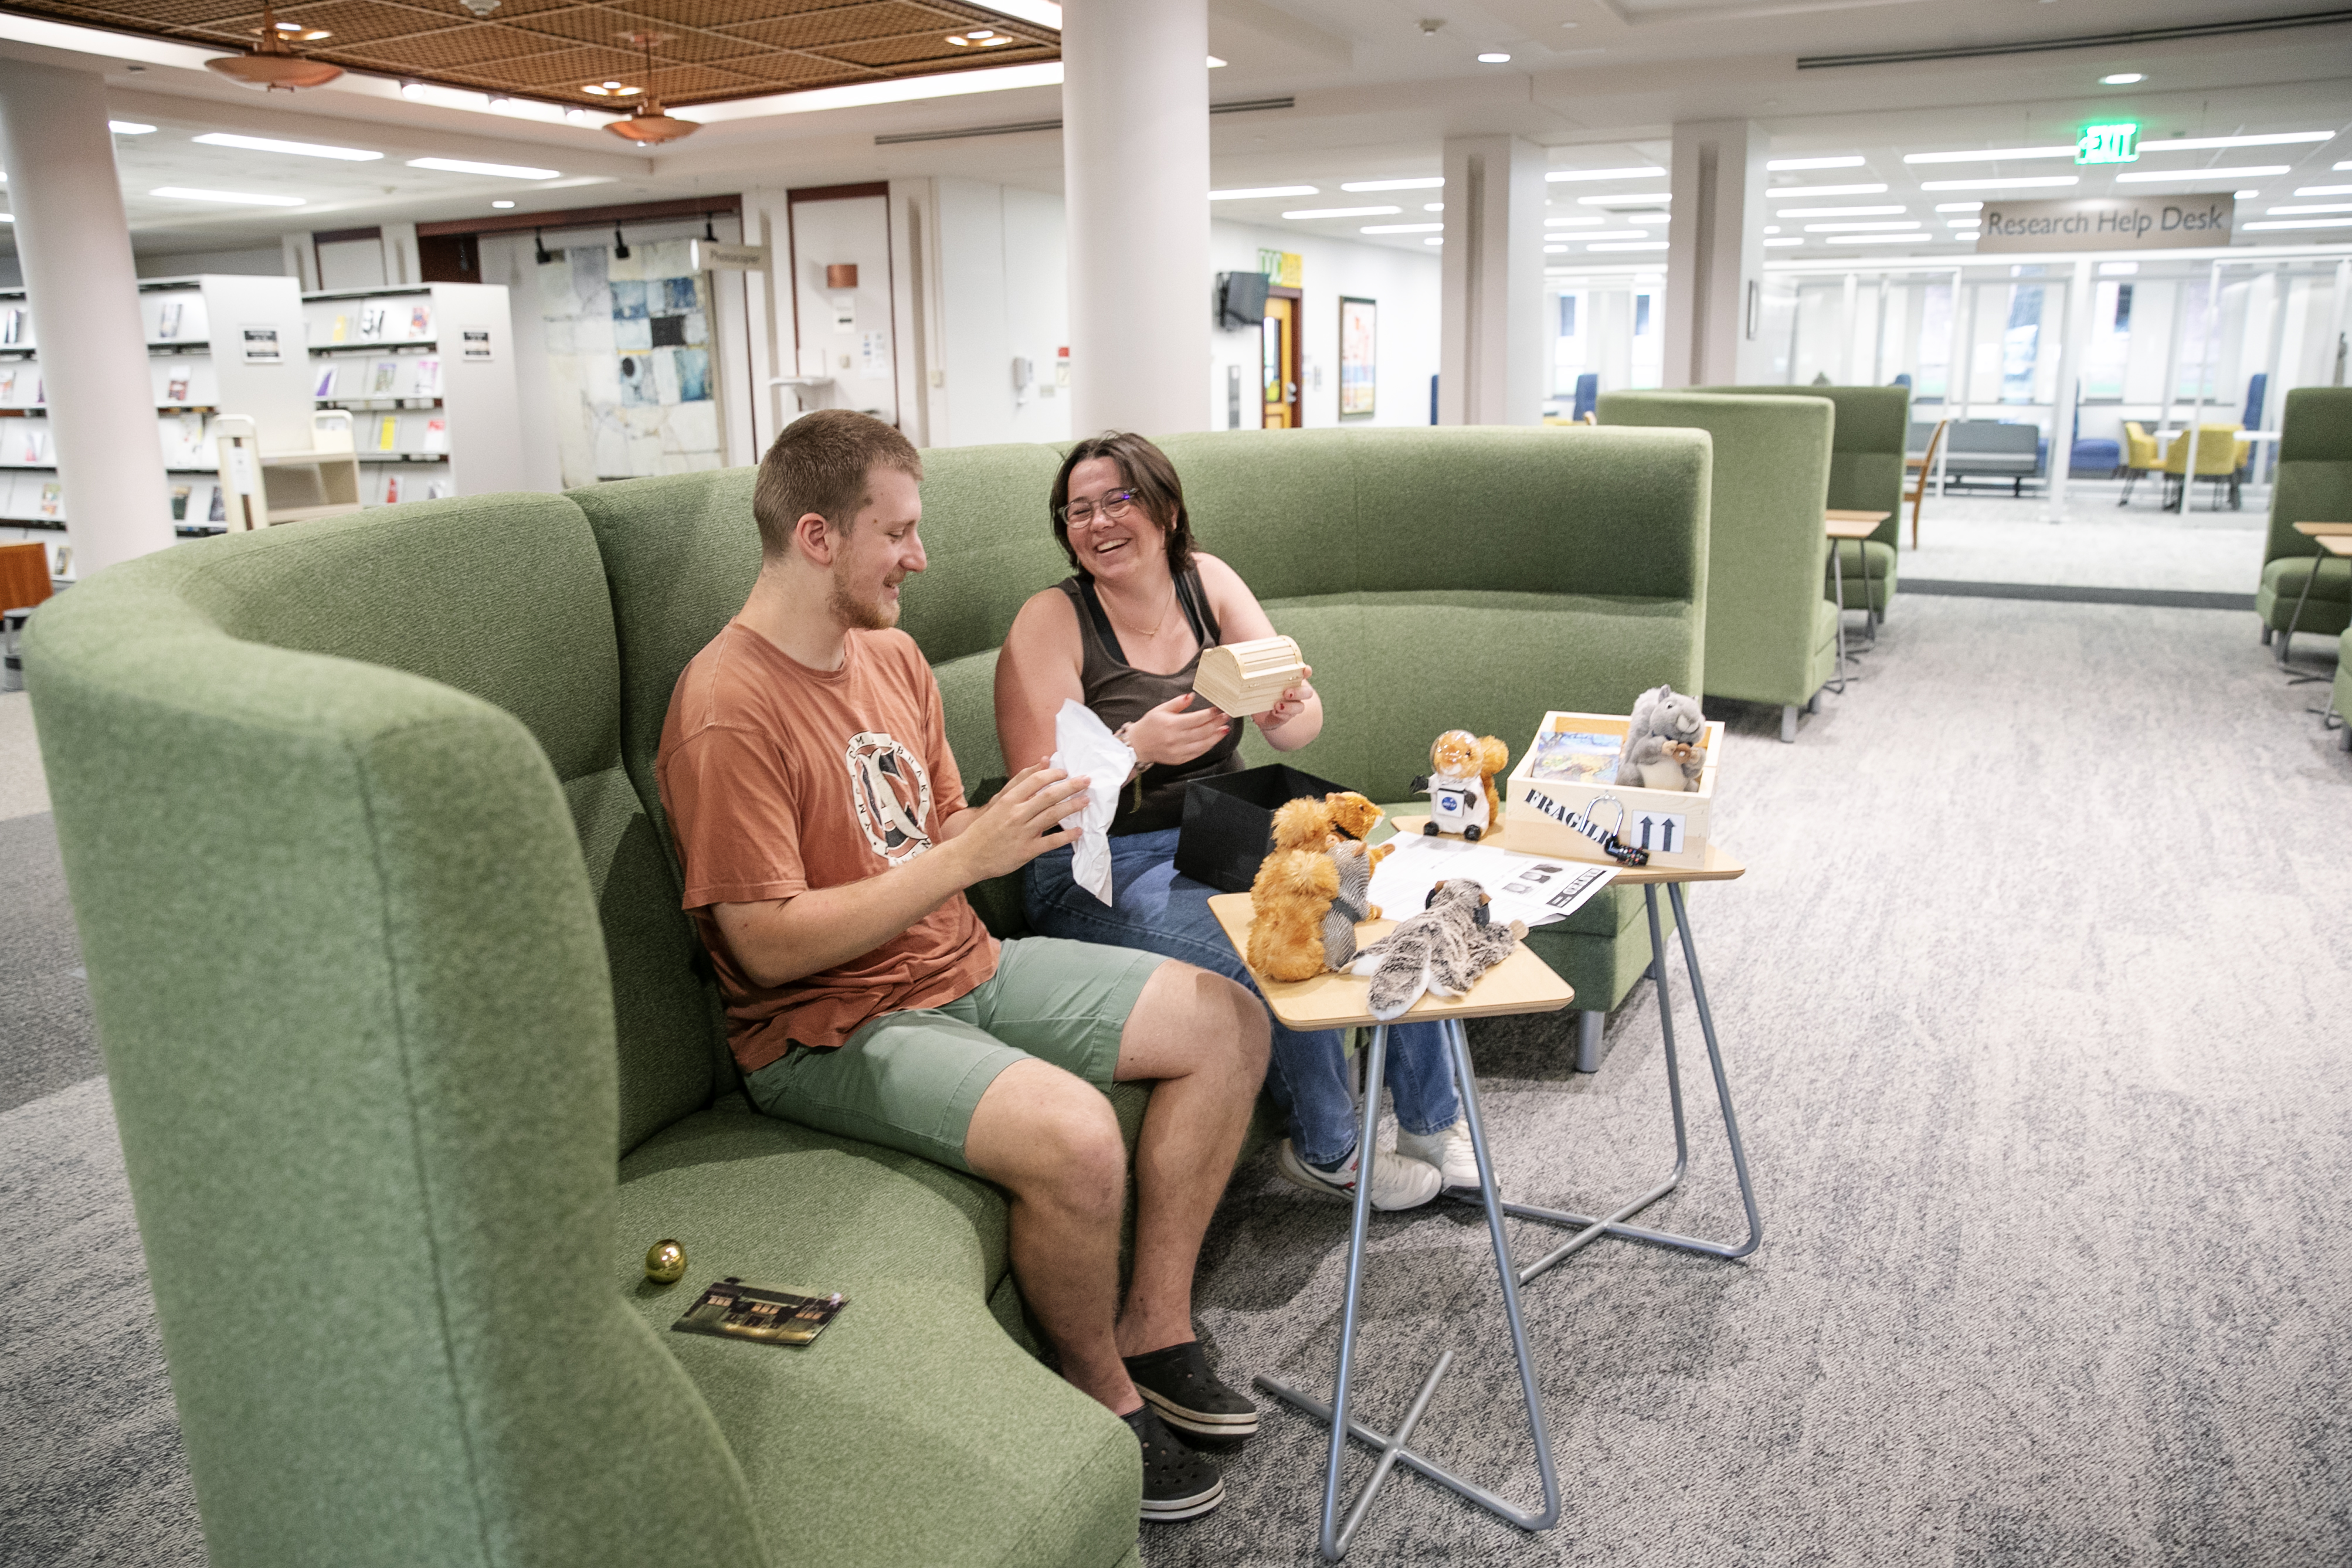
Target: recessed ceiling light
x,y
2015,182
1824,190
7,217
1432,207
1776,244
1401,229
503,202
1215,64
497,171
1418,182
298,33
2216,143
1647,170
1579,222
1959,207
1964,223
2309,208
1434,239
1790,165
1886,239
1309,213
1655,198
297,149
1993,155
610,90
1837,212
129,127
230,198
2256,171
1494,57
1629,244
2302,223
2122,79
2345,164
2245,196
1861,227
2324,190
1256,192
1615,234
1771,228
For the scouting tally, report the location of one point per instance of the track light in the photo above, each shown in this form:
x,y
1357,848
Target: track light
x,y
539,243
620,246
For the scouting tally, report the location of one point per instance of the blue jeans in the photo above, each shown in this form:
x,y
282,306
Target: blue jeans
x,y
1160,911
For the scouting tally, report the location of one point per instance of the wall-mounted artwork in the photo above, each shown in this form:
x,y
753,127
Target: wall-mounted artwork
x,y
628,351
1359,343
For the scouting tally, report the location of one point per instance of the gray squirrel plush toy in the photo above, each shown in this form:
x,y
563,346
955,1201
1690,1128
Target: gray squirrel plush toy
x,y
1442,948
1663,742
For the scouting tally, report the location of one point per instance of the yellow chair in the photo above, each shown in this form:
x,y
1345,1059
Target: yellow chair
x,y
2141,455
2220,456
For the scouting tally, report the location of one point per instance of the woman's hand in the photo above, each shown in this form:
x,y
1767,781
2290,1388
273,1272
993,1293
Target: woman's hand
x,y
1294,702
1169,736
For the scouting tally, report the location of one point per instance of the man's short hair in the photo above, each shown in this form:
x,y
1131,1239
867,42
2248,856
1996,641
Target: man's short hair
x,y
822,463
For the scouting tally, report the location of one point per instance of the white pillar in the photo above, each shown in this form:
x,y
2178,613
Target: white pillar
x,y
74,244
2076,338
2338,296
1715,255
1135,161
1491,343
1848,303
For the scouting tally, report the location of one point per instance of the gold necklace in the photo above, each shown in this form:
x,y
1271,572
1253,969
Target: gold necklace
x,y
1170,610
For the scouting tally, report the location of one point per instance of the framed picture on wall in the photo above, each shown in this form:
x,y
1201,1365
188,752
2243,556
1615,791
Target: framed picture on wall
x,y
1358,340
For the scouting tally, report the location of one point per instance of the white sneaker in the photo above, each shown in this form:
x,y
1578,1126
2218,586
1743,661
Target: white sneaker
x,y
1448,1149
1399,1182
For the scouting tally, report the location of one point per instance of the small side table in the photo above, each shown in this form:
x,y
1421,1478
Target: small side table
x,y
1845,527
2334,538
1520,984
1719,867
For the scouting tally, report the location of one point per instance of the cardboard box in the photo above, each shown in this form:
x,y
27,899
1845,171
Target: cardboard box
x,y
1565,814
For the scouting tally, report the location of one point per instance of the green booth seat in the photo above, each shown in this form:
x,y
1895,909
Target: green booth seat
x,y
1770,635
1866,450
413,1052
2313,483
2344,689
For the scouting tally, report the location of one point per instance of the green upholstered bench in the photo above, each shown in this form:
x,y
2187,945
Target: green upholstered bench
x,y
1866,452
413,1052
1770,635
2313,484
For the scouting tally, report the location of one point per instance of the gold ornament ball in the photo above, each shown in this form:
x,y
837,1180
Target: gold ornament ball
x,y
666,1262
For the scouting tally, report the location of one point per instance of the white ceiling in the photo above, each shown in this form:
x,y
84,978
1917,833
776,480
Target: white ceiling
x,y
1598,82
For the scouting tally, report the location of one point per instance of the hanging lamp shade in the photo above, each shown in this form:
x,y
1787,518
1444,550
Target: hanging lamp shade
x,y
647,124
273,66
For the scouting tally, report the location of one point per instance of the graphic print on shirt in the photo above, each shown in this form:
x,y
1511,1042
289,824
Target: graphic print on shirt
x,y
893,796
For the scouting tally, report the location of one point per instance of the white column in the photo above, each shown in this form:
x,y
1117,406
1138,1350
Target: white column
x,y
75,247
1491,343
2076,338
2336,315
1715,255
1134,162
1849,301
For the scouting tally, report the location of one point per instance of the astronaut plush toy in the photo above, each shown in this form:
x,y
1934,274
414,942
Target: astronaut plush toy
x,y
1461,783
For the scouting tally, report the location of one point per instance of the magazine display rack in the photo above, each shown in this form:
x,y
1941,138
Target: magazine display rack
x,y
261,488
216,342
1565,796
428,375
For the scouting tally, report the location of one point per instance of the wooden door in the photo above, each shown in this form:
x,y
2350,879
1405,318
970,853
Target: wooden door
x,y
1278,354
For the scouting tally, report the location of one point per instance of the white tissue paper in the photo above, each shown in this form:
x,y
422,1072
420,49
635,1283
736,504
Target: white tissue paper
x,y
1085,747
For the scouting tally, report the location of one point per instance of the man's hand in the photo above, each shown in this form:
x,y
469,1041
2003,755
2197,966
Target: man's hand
x,y
1020,824
1170,736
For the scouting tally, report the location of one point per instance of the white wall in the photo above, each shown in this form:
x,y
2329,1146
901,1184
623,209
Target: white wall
x,y
1403,284
1003,294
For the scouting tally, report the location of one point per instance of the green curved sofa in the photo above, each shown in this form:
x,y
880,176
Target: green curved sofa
x,y
2344,689
1770,635
413,1052
2313,483
1866,448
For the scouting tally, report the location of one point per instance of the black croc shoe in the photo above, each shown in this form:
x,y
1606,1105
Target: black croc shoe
x,y
1178,1382
1177,1482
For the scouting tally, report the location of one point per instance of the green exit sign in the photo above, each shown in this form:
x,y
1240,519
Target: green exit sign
x,y
2108,144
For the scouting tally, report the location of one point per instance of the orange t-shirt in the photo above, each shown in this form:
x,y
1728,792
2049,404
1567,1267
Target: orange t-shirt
x,y
779,778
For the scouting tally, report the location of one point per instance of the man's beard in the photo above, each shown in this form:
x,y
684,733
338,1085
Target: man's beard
x,y
860,614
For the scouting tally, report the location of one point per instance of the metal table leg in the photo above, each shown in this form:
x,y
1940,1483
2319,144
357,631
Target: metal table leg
x,y
1591,1228
1837,570
1336,1534
2286,638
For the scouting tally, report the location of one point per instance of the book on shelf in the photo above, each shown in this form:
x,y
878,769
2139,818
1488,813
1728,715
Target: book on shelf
x,y
373,320
180,502
387,434
428,377
218,510
7,383
52,504
341,331
383,378
12,325
326,387
420,321
175,389
437,435
168,319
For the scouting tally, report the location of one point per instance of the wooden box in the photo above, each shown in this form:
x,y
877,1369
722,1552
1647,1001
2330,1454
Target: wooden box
x,y
1245,678
1566,813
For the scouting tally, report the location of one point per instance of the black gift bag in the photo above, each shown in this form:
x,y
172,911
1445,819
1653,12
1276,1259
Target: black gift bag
x,y
1229,822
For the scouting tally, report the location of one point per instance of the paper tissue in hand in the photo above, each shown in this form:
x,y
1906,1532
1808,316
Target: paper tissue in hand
x,y
1084,747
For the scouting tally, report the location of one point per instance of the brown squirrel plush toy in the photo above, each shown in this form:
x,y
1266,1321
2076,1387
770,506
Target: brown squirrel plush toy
x,y
1461,783
1310,892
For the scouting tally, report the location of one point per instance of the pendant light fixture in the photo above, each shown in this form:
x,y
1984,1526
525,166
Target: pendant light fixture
x,y
273,66
647,124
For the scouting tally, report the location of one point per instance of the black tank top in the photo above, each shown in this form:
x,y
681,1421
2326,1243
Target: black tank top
x,y
1120,694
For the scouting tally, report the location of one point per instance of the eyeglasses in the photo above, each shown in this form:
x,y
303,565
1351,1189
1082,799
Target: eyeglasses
x,y
1113,507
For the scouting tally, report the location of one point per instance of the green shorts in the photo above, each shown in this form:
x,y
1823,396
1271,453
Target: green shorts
x,y
911,1080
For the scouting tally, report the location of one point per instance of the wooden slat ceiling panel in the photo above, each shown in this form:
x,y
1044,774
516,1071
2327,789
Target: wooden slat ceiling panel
x,y
715,49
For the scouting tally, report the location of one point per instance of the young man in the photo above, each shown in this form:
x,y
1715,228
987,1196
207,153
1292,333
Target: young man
x,y
826,843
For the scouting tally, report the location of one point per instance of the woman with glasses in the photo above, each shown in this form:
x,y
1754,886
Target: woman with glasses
x,y
1141,602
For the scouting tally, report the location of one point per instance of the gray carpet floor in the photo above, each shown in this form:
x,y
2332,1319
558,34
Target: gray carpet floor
x,y
2034,1002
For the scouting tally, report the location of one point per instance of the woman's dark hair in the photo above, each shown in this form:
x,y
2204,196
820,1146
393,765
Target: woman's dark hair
x,y
1143,468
